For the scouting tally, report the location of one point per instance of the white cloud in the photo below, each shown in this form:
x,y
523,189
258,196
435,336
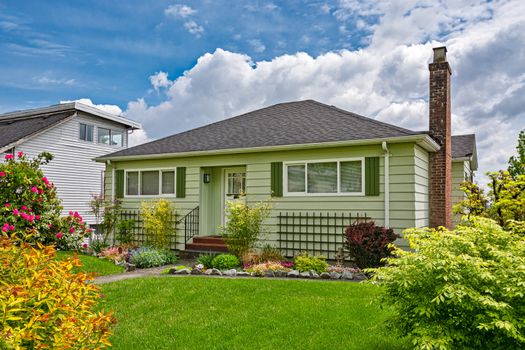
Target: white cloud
x,y
257,45
160,80
113,109
193,28
53,81
387,80
179,10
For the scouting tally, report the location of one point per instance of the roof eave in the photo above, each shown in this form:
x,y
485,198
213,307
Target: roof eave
x,y
422,140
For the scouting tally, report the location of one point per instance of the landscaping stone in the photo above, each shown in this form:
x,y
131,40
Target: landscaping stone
x,y
305,274
325,276
231,273
269,273
335,275
216,272
313,274
196,272
347,275
293,274
243,273
280,273
129,267
182,272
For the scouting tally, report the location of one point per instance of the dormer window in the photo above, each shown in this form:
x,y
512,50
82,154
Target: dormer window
x,y
86,132
109,137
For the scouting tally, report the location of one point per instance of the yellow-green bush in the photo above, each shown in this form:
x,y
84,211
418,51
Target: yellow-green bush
x,y
462,289
44,304
158,224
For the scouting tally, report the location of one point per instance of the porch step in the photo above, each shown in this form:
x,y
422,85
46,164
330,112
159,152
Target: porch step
x,y
207,243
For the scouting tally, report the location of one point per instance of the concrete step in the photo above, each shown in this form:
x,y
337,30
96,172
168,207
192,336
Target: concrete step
x,y
208,240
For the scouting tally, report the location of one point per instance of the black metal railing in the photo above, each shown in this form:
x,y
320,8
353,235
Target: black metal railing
x,y
191,224
319,233
139,236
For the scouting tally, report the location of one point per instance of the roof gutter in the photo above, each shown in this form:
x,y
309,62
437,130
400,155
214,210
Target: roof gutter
x,y
423,140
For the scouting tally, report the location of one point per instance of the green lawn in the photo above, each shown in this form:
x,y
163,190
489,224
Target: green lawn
x,y
220,313
90,263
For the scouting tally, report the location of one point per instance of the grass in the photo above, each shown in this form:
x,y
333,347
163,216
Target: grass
x,y
101,267
220,313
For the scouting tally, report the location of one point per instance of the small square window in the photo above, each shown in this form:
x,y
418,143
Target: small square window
x,y
132,183
149,183
168,182
116,138
104,136
296,179
86,132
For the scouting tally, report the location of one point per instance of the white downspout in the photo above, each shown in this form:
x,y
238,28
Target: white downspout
x,y
387,184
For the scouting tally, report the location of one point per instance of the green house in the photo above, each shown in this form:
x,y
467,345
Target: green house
x,y
321,166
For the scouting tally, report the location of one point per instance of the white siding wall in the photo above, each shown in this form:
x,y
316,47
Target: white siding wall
x,y
72,170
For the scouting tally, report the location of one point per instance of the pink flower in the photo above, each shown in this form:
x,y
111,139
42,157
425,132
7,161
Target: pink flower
x,y
12,227
37,217
24,207
40,191
24,216
2,174
85,246
20,154
15,212
30,218
46,181
34,189
8,156
7,205
71,213
59,235
71,230
49,225
5,228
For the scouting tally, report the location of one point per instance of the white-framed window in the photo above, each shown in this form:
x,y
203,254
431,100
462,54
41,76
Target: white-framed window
x,y
110,137
85,132
149,182
324,177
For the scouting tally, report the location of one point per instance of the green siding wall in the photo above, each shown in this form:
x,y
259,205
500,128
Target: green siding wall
x,y
459,170
408,180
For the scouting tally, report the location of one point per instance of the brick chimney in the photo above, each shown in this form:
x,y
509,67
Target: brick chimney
x,y
440,129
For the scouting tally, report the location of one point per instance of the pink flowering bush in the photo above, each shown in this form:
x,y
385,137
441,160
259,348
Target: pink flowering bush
x,y
30,208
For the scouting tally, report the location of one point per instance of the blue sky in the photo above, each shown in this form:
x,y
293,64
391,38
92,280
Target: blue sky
x,y
175,65
62,50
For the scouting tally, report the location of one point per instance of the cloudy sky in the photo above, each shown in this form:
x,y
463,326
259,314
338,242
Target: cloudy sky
x,y
177,65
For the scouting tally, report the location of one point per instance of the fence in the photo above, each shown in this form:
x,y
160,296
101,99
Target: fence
x,y
316,233
137,232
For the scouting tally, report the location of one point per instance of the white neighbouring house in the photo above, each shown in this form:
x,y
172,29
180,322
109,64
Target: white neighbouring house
x,y
74,134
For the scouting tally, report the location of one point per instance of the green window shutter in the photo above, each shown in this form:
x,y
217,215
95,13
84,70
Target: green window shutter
x,y
181,182
119,183
277,179
372,176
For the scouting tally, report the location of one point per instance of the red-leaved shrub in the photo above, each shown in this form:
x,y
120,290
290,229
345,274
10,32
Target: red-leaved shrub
x,y
368,243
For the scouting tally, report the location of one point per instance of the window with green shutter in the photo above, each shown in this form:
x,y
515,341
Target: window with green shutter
x,y
372,176
277,179
181,182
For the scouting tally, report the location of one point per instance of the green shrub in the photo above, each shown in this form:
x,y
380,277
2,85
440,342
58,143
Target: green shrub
x,y
206,260
368,244
244,226
125,231
270,253
225,262
305,263
158,223
144,257
462,289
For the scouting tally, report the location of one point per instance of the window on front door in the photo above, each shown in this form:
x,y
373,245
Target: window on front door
x,y
236,184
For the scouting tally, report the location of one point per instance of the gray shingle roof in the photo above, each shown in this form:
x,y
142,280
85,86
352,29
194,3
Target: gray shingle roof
x,y
14,129
290,123
463,146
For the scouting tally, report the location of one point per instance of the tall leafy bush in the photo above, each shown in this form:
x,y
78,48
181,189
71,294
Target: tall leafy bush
x,y
462,289
44,304
244,226
158,225
368,243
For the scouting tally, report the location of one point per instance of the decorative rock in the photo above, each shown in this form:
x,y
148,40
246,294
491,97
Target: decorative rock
x,y
196,272
325,276
347,275
243,273
231,272
305,274
269,273
182,272
208,272
293,274
129,267
313,274
335,275
216,272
